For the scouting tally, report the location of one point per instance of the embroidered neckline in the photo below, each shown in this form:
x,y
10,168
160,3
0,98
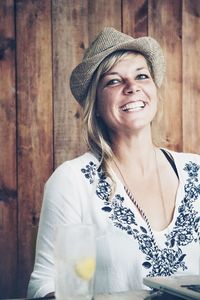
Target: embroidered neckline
x,y
159,261
161,194
130,195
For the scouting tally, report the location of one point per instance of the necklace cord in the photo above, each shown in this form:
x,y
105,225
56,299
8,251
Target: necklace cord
x,y
130,195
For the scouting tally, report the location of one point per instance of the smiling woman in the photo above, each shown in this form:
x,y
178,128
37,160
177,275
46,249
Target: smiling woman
x,y
144,201
125,89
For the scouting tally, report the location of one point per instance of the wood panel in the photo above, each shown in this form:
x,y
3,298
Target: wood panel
x,y
103,13
70,38
164,24
135,17
35,142
191,85
8,188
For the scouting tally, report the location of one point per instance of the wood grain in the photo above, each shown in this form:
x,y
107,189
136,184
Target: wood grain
x,y
35,123
70,38
8,185
135,17
191,85
102,14
164,24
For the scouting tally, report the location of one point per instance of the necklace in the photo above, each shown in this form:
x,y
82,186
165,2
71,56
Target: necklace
x,y
130,195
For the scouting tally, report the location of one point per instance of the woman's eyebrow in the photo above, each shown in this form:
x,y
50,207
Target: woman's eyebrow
x,y
141,68
117,73
110,73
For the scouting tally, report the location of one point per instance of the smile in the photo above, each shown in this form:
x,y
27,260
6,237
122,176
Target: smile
x,y
134,106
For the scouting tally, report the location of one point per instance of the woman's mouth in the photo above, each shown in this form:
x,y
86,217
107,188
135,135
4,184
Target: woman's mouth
x,y
134,106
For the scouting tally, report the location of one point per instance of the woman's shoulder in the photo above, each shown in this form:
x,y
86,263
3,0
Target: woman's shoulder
x,y
184,159
73,167
80,161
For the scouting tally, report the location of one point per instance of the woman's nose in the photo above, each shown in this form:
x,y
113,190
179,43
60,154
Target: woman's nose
x,y
131,87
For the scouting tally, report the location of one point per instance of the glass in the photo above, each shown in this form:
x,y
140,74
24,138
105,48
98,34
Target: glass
x,y
75,262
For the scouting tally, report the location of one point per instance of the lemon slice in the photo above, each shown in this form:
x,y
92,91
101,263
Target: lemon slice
x,y
85,268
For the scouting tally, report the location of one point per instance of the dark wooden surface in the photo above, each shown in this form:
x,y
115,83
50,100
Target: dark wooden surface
x,y
8,168
165,24
35,123
190,84
70,38
40,123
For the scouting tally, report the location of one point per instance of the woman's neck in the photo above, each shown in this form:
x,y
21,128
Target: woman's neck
x,y
136,152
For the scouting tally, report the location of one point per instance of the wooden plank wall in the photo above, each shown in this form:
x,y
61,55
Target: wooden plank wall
x,y
34,122
8,167
40,123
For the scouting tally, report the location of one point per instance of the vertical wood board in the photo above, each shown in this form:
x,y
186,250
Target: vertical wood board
x,y
165,26
102,14
35,123
8,188
70,38
135,17
191,85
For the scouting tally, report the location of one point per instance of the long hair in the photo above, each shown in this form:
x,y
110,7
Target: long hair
x,y
95,131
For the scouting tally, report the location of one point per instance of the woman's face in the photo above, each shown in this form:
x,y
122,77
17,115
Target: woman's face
x,y
127,95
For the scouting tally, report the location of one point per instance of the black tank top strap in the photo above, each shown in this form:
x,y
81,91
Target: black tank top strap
x,y
170,160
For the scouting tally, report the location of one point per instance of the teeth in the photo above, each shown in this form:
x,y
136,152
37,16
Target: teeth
x,y
137,105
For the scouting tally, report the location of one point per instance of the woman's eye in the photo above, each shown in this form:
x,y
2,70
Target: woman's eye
x,y
142,76
113,81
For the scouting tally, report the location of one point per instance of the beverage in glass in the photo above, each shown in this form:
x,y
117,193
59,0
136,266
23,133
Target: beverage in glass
x,y
75,261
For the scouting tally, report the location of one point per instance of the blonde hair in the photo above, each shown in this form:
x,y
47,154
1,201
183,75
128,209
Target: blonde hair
x,y
95,131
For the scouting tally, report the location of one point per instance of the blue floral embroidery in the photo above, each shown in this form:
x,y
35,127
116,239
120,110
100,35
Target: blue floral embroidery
x,y
122,216
162,262
192,170
90,171
187,222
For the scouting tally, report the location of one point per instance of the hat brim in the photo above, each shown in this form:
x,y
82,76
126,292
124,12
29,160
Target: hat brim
x,y
81,76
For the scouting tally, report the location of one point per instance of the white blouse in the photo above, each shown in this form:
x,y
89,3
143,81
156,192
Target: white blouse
x,y
127,248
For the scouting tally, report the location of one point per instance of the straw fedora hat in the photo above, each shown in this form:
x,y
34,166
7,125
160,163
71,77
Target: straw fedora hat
x,y
107,42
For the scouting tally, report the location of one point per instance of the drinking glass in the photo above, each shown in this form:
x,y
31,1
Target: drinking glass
x,y
75,261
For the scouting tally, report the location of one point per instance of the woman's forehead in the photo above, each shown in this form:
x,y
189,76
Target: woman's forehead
x,y
135,60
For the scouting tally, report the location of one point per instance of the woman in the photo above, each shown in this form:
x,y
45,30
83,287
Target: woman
x,y
145,201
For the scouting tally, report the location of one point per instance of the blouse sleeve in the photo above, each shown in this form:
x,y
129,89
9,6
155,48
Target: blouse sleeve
x,y
61,204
